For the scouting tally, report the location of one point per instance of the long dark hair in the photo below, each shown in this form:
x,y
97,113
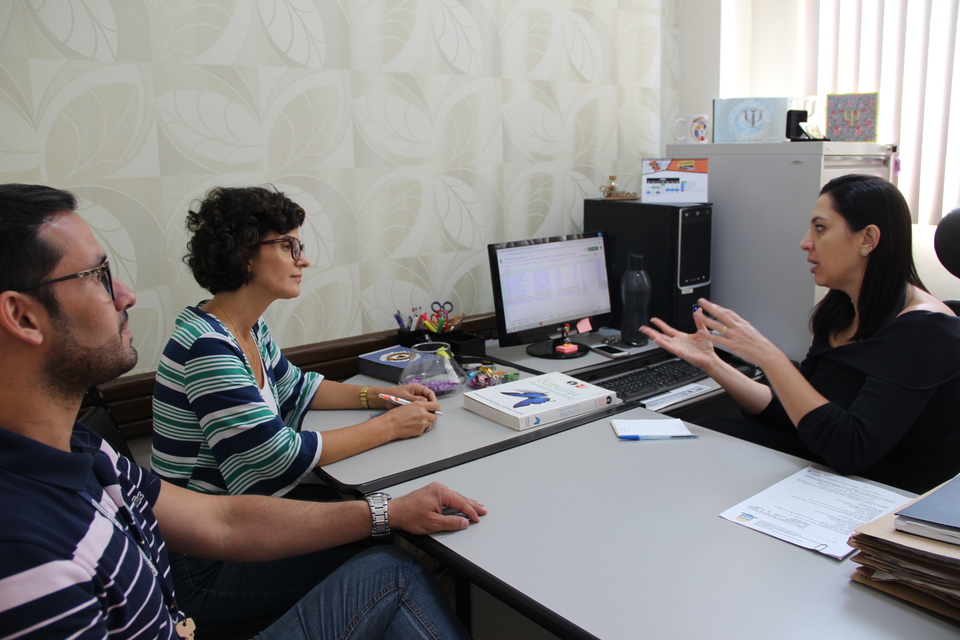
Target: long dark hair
x,y
863,200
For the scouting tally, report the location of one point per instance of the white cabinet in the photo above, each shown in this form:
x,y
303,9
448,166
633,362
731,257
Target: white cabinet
x,y
763,195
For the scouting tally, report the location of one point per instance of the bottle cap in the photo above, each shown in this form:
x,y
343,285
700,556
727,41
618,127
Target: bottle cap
x,y
634,262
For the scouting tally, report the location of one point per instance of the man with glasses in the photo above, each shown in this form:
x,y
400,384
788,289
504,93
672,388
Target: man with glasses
x,y
85,532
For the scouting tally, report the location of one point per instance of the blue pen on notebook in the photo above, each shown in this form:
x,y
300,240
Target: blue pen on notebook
x,y
657,437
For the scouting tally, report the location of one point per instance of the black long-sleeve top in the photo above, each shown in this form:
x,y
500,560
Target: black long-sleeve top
x,y
894,410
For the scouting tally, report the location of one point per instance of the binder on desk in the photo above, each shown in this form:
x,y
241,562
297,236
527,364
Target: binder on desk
x,y
919,570
936,515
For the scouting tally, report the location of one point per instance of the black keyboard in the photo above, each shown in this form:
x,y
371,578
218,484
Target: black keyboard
x,y
652,379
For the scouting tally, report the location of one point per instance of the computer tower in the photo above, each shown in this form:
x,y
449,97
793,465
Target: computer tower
x,y
675,242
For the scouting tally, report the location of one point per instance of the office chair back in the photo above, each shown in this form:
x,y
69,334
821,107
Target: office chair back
x,y
99,418
946,242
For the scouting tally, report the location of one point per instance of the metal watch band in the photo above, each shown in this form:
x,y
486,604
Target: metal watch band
x,y
378,511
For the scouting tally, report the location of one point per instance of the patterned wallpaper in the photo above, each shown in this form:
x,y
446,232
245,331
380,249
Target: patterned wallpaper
x,y
414,133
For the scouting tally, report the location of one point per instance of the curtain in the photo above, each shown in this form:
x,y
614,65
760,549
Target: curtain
x,y
906,50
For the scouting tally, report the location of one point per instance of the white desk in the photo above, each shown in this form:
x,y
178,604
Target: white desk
x,y
591,536
457,436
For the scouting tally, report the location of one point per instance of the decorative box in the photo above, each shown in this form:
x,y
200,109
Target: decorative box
x,y
750,119
852,117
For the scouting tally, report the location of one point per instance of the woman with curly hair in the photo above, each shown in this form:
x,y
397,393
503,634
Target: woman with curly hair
x,y
227,405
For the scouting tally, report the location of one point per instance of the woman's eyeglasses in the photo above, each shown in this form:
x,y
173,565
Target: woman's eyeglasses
x,y
296,247
101,273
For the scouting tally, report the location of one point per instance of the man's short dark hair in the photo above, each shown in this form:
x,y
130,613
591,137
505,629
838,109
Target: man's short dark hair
x,y
227,227
25,258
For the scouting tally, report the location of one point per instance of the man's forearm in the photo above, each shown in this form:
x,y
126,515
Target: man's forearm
x,y
256,528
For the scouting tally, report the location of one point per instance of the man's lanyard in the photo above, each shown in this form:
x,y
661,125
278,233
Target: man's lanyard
x,y
183,625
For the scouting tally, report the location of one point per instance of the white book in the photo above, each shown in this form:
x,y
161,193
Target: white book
x,y
537,401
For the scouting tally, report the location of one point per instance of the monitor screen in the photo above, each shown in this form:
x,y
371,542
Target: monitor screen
x,y
541,284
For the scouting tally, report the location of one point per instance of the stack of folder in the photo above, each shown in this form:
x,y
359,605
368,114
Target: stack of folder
x,y
915,568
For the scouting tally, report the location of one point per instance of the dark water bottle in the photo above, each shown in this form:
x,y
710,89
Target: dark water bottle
x,y
635,288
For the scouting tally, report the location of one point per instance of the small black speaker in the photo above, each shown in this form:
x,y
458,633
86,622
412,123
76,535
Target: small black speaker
x,y
794,118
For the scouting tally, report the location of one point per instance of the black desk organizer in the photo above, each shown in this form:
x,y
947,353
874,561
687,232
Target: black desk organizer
x,y
461,342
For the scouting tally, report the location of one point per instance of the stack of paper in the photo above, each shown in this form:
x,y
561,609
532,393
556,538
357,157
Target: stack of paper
x,y
815,509
916,569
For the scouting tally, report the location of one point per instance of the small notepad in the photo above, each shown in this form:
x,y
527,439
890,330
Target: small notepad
x,y
662,429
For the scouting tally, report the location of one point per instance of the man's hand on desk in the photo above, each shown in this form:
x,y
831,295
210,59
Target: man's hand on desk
x,y
421,512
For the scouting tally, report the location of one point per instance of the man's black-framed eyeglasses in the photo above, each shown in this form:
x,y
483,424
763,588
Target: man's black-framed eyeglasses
x,y
101,273
296,247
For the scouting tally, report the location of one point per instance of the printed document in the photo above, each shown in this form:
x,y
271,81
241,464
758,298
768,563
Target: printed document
x,y
816,510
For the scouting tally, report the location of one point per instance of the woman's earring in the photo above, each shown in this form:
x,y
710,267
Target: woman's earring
x,y
864,252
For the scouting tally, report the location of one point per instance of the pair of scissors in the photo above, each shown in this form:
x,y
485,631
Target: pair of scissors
x,y
440,312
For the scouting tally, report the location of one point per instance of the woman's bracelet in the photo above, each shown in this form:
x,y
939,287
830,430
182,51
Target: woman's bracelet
x,y
363,397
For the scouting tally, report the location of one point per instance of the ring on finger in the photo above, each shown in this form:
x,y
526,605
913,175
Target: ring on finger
x,y
723,330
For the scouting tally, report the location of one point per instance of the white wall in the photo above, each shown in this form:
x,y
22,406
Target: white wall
x,y
413,133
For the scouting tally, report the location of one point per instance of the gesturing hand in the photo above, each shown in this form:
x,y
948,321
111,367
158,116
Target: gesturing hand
x,y
733,333
696,348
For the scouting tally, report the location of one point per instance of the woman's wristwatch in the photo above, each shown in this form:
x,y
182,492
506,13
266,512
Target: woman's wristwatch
x,y
378,511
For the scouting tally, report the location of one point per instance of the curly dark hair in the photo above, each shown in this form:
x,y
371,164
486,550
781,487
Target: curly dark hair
x,y
227,227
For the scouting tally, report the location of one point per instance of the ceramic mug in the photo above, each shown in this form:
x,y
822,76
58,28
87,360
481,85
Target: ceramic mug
x,y
696,128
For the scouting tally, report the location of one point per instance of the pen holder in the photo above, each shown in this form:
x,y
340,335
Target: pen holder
x,y
464,343
460,342
410,338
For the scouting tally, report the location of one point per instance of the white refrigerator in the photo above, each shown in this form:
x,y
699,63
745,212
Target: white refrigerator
x,y
763,195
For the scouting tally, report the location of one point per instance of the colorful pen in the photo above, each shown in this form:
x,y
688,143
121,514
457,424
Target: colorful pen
x,y
396,400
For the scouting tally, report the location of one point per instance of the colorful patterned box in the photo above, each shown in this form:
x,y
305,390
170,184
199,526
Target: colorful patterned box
x,y
852,117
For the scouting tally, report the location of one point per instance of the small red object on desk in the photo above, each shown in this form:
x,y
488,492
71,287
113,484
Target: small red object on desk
x,y
566,348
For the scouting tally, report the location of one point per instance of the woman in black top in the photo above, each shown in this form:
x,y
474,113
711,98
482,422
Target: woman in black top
x,y
879,391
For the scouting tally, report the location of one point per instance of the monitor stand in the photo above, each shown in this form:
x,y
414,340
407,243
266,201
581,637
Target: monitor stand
x,y
548,349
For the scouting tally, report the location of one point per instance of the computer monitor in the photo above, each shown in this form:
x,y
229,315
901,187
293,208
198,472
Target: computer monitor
x,y
540,285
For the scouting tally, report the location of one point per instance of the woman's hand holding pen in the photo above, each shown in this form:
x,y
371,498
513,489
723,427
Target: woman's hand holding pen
x,y
411,392
410,420
405,420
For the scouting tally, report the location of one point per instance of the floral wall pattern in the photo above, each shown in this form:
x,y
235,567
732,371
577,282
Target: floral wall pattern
x,y
414,133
